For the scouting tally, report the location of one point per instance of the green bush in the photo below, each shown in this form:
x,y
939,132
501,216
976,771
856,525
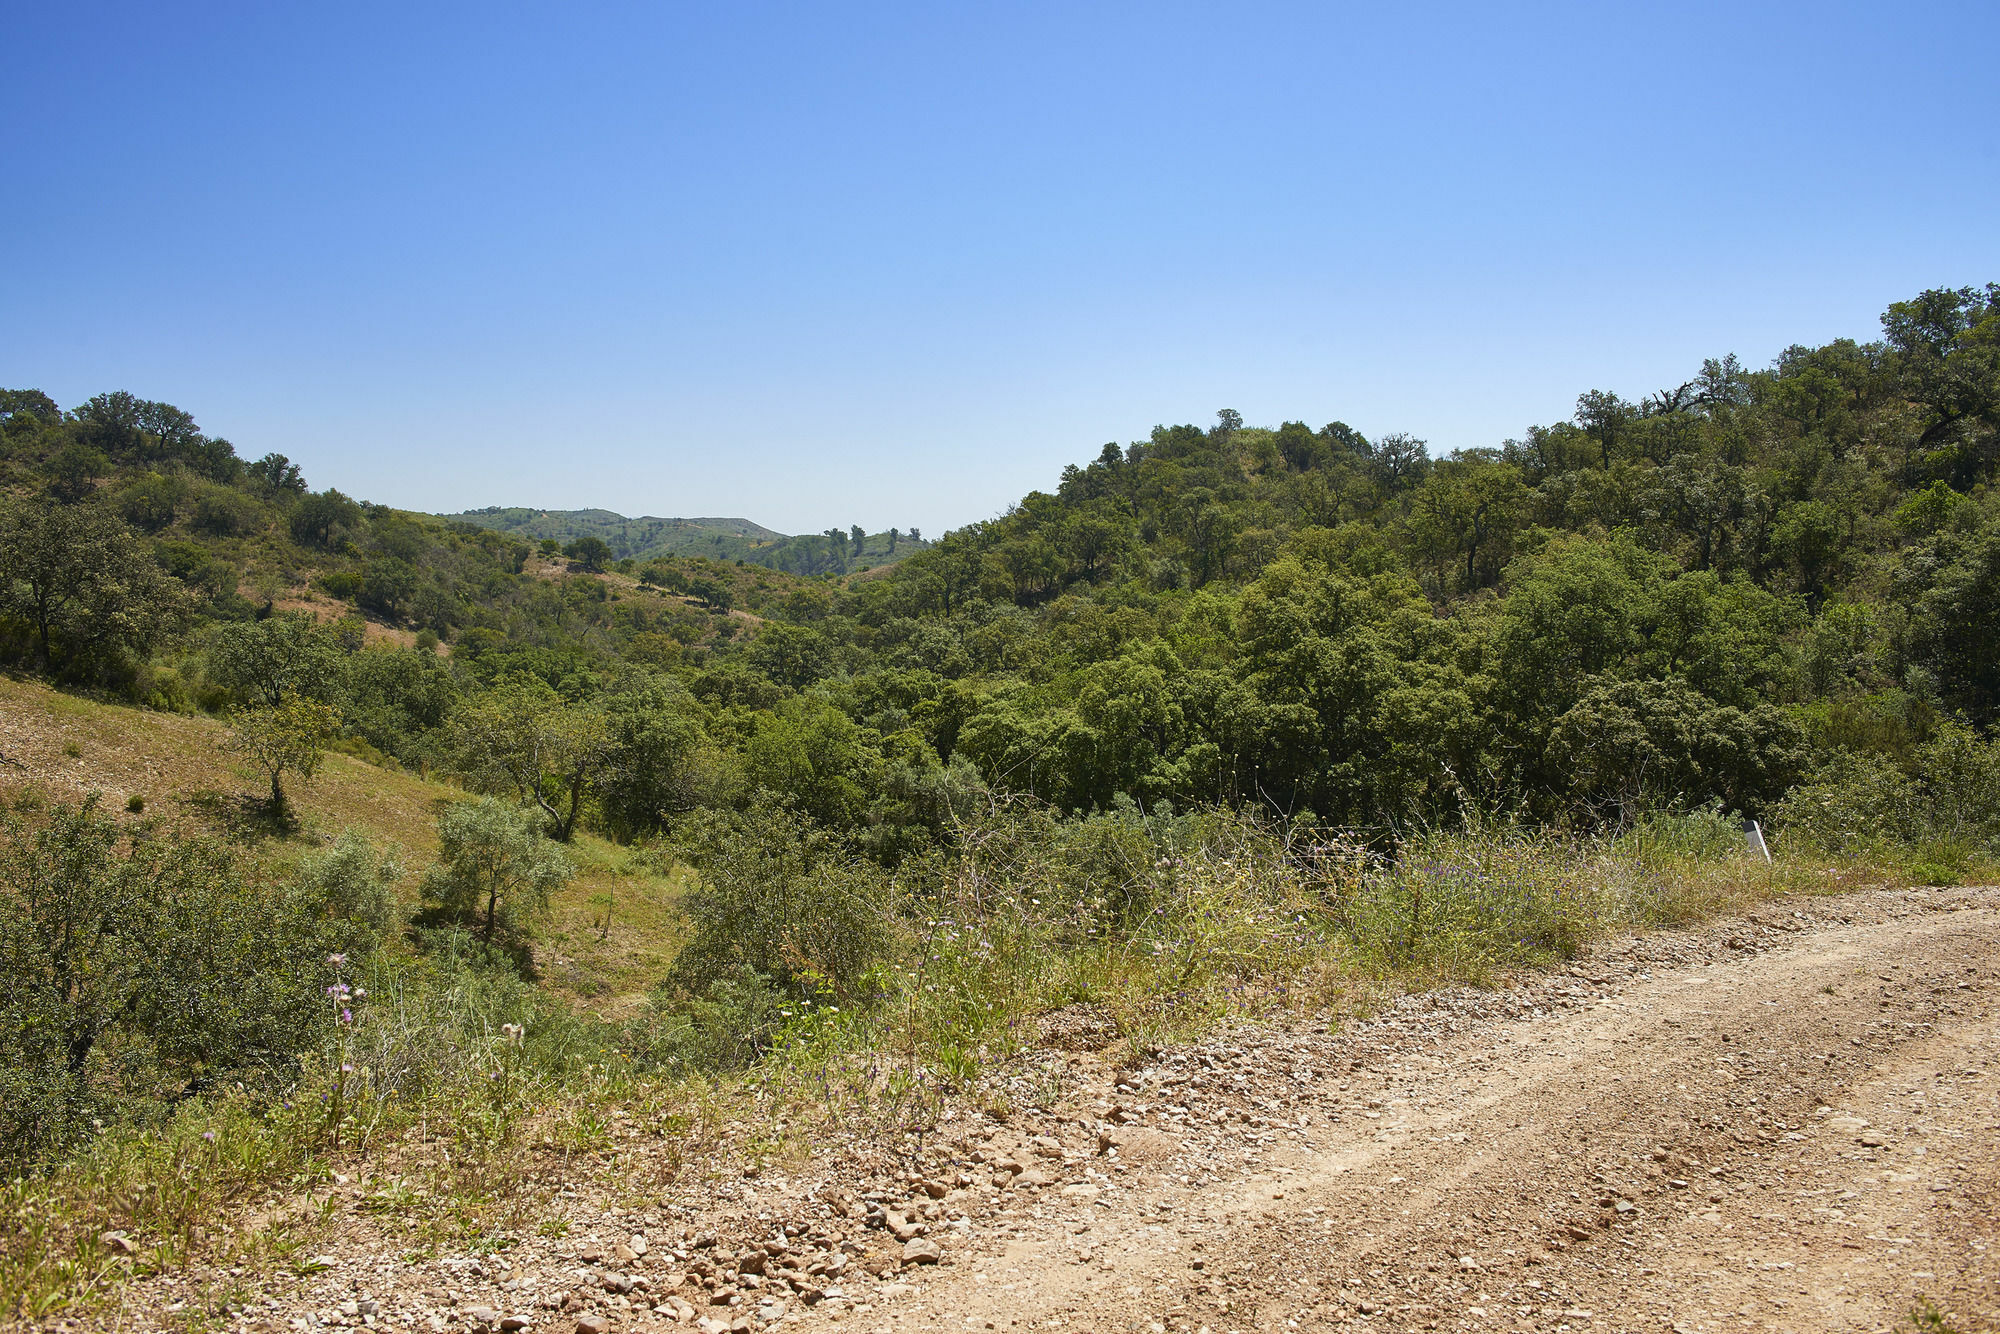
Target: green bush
x,y
783,898
726,1026
350,883
1934,815
139,968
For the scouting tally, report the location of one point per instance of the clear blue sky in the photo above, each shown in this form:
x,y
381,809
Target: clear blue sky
x,y
898,264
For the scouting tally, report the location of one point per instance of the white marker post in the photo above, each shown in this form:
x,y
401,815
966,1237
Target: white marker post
x,y
1753,834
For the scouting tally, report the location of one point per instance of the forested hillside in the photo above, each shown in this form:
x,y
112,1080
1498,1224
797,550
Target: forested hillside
x,y
1173,734
835,551
1700,594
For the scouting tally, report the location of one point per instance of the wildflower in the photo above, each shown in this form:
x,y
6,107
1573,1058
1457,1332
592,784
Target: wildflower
x,y
208,1135
337,960
346,1069
347,1016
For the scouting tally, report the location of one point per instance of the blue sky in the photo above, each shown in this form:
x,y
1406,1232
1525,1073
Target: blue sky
x,y
888,264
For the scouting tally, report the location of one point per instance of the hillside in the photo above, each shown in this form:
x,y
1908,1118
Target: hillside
x,y
611,931
706,864
717,539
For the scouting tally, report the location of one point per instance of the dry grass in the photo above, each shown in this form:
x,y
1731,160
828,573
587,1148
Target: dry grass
x,y
67,746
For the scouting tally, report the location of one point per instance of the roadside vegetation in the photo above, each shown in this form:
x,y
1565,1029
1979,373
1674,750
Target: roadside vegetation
x,y
413,835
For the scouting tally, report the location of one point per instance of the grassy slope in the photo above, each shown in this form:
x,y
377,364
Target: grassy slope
x,y
67,746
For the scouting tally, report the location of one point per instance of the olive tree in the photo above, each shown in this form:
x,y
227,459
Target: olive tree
x,y
289,737
494,871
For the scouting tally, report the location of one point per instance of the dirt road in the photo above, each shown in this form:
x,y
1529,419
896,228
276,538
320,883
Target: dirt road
x,y
1796,1130
1784,1122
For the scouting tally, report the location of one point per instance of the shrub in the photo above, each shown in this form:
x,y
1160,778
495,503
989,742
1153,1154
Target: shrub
x,y
139,969
353,886
725,1027
783,898
1940,810
223,512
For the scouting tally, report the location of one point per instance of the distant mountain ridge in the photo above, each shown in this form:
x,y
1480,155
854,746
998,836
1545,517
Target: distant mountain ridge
x,y
648,536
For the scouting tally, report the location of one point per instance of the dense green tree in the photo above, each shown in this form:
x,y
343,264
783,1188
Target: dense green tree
x,y
591,553
1952,584
319,518
813,755
791,655
80,581
660,760
75,470
1629,746
284,656
521,736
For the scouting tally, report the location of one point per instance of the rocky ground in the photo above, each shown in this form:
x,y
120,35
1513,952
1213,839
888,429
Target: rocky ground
x,y
1780,1122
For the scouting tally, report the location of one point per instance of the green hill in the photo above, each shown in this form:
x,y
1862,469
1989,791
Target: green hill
x,y
1228,711
830,552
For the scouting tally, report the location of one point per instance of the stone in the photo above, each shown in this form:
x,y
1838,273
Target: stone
x,y
513,1324
1870,1139
118,1243
623,1253
922,1251
638,1243
901,1228
937,1190
592,1324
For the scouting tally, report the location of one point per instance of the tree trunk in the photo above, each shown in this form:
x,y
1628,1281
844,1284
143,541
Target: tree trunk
x,y
567,827
79,1046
